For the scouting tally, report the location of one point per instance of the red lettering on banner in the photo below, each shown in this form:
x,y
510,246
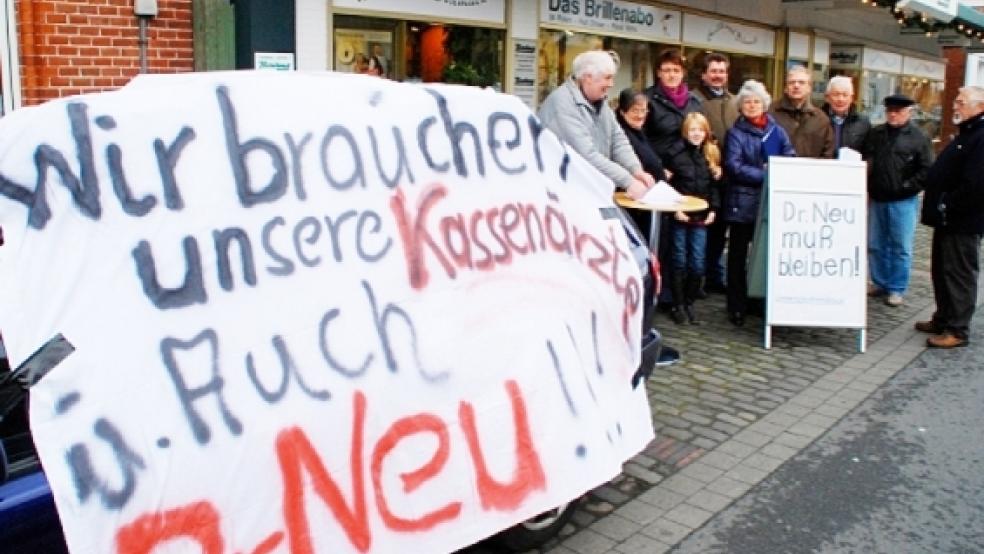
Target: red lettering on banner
x,y
198,522
421,423
528,473
301,467
415,236
269,543
459,241
295,452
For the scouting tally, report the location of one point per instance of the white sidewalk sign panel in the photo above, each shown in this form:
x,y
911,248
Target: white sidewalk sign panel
x,y
817,243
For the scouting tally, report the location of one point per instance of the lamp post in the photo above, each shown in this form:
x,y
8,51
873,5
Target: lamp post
x,y
144,10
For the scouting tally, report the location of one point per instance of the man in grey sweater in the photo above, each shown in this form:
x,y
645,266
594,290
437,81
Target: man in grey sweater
x,y
578,114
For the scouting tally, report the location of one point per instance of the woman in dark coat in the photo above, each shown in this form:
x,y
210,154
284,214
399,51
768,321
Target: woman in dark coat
x,y
749,143
669,102
631,115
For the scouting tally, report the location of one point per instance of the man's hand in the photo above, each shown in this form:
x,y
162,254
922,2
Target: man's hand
x,y
681,217
709,219
645,178
636,189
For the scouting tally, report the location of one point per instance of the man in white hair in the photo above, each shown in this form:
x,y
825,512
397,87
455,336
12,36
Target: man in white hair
x,y
850,127
954,207
578,113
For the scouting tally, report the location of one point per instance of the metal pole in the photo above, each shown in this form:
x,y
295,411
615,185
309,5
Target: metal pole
x,y
142,42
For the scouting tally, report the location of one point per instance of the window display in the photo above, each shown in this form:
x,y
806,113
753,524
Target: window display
x,y
557,50
419,51
928,111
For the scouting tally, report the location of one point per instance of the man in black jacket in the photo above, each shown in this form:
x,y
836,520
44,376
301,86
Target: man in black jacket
x,y
898,155
850,127
954,208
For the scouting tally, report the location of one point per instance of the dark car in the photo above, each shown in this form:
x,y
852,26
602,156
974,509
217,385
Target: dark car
x,y
29,521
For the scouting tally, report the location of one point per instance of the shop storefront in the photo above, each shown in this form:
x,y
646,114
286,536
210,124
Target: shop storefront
x,y
637,33
410,40
878,73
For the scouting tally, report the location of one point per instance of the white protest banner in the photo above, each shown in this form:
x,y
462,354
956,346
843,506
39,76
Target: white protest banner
x,y
817,244
314,313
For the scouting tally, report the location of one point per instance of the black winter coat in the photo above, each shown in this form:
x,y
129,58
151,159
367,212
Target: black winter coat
x,y
664,120
954,198
854,131
897,162
651,163
692,177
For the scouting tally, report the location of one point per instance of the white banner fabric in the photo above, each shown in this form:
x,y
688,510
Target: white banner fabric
x,y
314,313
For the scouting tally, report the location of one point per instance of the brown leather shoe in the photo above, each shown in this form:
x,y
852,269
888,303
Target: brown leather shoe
x,y
946,339
928,326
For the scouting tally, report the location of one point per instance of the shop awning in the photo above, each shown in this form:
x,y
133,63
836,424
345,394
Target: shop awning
x,y
970,16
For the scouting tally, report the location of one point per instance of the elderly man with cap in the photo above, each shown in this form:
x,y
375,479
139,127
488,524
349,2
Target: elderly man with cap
x,y
954,208
578,114
899,155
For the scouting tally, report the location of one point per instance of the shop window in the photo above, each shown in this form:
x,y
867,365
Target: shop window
x,y
419,51
557,50
875,86
819,84
928,112
741,67
437,52
357,39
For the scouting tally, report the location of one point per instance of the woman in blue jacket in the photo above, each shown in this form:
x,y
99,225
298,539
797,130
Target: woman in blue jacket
x,y
754,137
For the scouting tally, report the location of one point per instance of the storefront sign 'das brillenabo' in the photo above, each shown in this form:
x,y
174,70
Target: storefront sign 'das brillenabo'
x,y
604,14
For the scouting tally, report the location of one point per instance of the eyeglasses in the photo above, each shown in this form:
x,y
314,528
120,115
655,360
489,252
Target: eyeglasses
x,y
638,111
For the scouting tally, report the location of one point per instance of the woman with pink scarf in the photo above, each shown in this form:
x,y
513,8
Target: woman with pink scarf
x,y
669,103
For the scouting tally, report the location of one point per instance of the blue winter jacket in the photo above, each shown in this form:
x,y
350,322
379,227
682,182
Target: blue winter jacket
x,y
746,151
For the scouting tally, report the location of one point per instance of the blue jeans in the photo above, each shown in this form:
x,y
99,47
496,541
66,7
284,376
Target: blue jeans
x,y
891,229
689,244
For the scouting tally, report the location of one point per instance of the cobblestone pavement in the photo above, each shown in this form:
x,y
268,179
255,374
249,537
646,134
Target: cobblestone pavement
x,y
731,412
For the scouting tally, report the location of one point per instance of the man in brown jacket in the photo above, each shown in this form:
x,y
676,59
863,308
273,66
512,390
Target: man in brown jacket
x,y
807,126
717,104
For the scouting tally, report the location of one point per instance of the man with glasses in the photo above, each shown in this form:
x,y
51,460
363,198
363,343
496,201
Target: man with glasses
x,y
807,126
578,113
954,207
899,155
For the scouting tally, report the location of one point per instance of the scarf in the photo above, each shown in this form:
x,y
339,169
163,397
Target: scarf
x,y
760,121
678,96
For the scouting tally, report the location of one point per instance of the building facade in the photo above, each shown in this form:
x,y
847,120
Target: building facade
x,y
54,48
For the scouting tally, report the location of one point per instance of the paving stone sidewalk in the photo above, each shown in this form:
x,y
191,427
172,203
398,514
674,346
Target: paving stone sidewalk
x,y
731,412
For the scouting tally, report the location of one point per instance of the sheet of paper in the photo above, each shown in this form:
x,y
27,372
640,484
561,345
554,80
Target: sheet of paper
x,y
661,194
848,154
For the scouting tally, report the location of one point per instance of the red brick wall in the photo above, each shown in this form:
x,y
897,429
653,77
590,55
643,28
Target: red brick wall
x,y
956,65
74,46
